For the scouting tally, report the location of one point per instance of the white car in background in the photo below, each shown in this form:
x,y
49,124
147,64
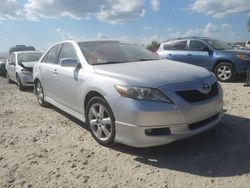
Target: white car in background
x,y
20,68
247,45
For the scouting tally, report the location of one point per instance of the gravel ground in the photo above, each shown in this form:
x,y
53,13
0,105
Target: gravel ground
x,y
44,147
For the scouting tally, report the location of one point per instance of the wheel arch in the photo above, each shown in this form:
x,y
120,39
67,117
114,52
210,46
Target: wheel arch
x,y
90,95
222,61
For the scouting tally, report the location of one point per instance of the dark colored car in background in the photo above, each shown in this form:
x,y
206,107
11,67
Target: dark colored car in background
x,y
216,56
2,67
18,48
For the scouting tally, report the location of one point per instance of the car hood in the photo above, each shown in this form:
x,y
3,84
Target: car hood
x,y
28,64
152,73
236,51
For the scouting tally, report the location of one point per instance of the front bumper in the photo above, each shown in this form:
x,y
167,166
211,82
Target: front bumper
x,y
134,118
26,80
242,66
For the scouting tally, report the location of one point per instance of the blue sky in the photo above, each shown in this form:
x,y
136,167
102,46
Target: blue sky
x,y
44,22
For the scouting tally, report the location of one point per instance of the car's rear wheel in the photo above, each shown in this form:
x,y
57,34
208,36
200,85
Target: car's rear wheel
x,y
40,93
19,83
100,119
225,72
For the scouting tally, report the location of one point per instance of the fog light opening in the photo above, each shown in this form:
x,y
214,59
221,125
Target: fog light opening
x,y
158,131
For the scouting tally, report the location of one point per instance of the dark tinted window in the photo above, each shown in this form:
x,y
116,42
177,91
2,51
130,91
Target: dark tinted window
x,y
248,42
196,45
52,55
167,45
106,52
179,45
67,51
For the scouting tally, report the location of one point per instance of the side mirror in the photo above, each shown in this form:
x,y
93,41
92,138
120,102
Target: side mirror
x,y
205,49
69,62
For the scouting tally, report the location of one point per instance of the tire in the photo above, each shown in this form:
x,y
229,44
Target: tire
x,y
40,94
225,72
19,83
101,121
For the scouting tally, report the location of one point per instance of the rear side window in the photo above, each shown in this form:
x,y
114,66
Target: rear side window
x,y
248,42
52,55
67,51
196,45
179,45
167,45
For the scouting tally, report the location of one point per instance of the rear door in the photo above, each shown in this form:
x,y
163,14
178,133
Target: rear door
x,y
200,54
48,71
177,51
11,67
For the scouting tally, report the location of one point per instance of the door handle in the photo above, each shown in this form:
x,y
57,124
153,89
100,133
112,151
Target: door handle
x,y
54,71
170,54
39,67
189,54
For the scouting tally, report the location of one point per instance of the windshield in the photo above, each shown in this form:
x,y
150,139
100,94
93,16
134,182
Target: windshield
x,y
28,57
107,52
219,45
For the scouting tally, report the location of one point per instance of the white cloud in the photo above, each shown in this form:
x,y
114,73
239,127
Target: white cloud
x,y
65,35
121,11
9,10
101,36
111,11
155,5
210,28
221,9
147,28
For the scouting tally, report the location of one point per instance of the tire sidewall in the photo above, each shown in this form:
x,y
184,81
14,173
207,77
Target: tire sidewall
x,y
19,83
43,103
103,102
233,73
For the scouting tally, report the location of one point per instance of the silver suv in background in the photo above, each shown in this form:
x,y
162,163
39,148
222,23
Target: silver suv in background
x,y
126,94
19,68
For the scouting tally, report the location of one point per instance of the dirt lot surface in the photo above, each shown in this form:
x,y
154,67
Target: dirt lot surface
x,y
44,147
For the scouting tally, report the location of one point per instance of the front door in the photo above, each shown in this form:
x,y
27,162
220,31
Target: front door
x,y
199,54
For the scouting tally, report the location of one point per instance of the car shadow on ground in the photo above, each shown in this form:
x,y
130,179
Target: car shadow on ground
x,y
223,151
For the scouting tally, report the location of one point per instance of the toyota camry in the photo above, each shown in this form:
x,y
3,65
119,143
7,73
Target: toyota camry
x,y
126,94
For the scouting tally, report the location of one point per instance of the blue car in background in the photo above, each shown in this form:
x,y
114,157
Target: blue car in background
x,y
216,56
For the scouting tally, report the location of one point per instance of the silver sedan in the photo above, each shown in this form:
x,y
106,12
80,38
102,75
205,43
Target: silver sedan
x,y
125,94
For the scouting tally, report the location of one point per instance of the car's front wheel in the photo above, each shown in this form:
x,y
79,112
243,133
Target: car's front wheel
x,y
40,93
225,72
100,119
19,83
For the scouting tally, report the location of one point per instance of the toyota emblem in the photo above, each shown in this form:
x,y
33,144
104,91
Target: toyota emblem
x,y
205,88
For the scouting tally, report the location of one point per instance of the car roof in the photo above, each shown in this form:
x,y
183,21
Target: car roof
x,y
26,52
187,38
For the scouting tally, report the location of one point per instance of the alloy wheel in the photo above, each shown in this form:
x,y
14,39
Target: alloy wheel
x,y
100,122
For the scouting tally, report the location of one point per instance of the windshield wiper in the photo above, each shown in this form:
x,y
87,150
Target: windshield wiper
x,y
108,62
147,59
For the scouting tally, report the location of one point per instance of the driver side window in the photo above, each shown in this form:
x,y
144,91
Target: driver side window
x,y
197,45
67,51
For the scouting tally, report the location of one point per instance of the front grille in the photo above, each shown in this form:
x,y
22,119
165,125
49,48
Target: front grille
x,y
196,96
202,123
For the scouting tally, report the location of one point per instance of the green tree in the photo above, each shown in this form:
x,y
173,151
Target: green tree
x,y
153,46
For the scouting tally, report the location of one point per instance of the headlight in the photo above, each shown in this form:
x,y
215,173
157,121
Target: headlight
x,y
26,71
140,93
243,57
